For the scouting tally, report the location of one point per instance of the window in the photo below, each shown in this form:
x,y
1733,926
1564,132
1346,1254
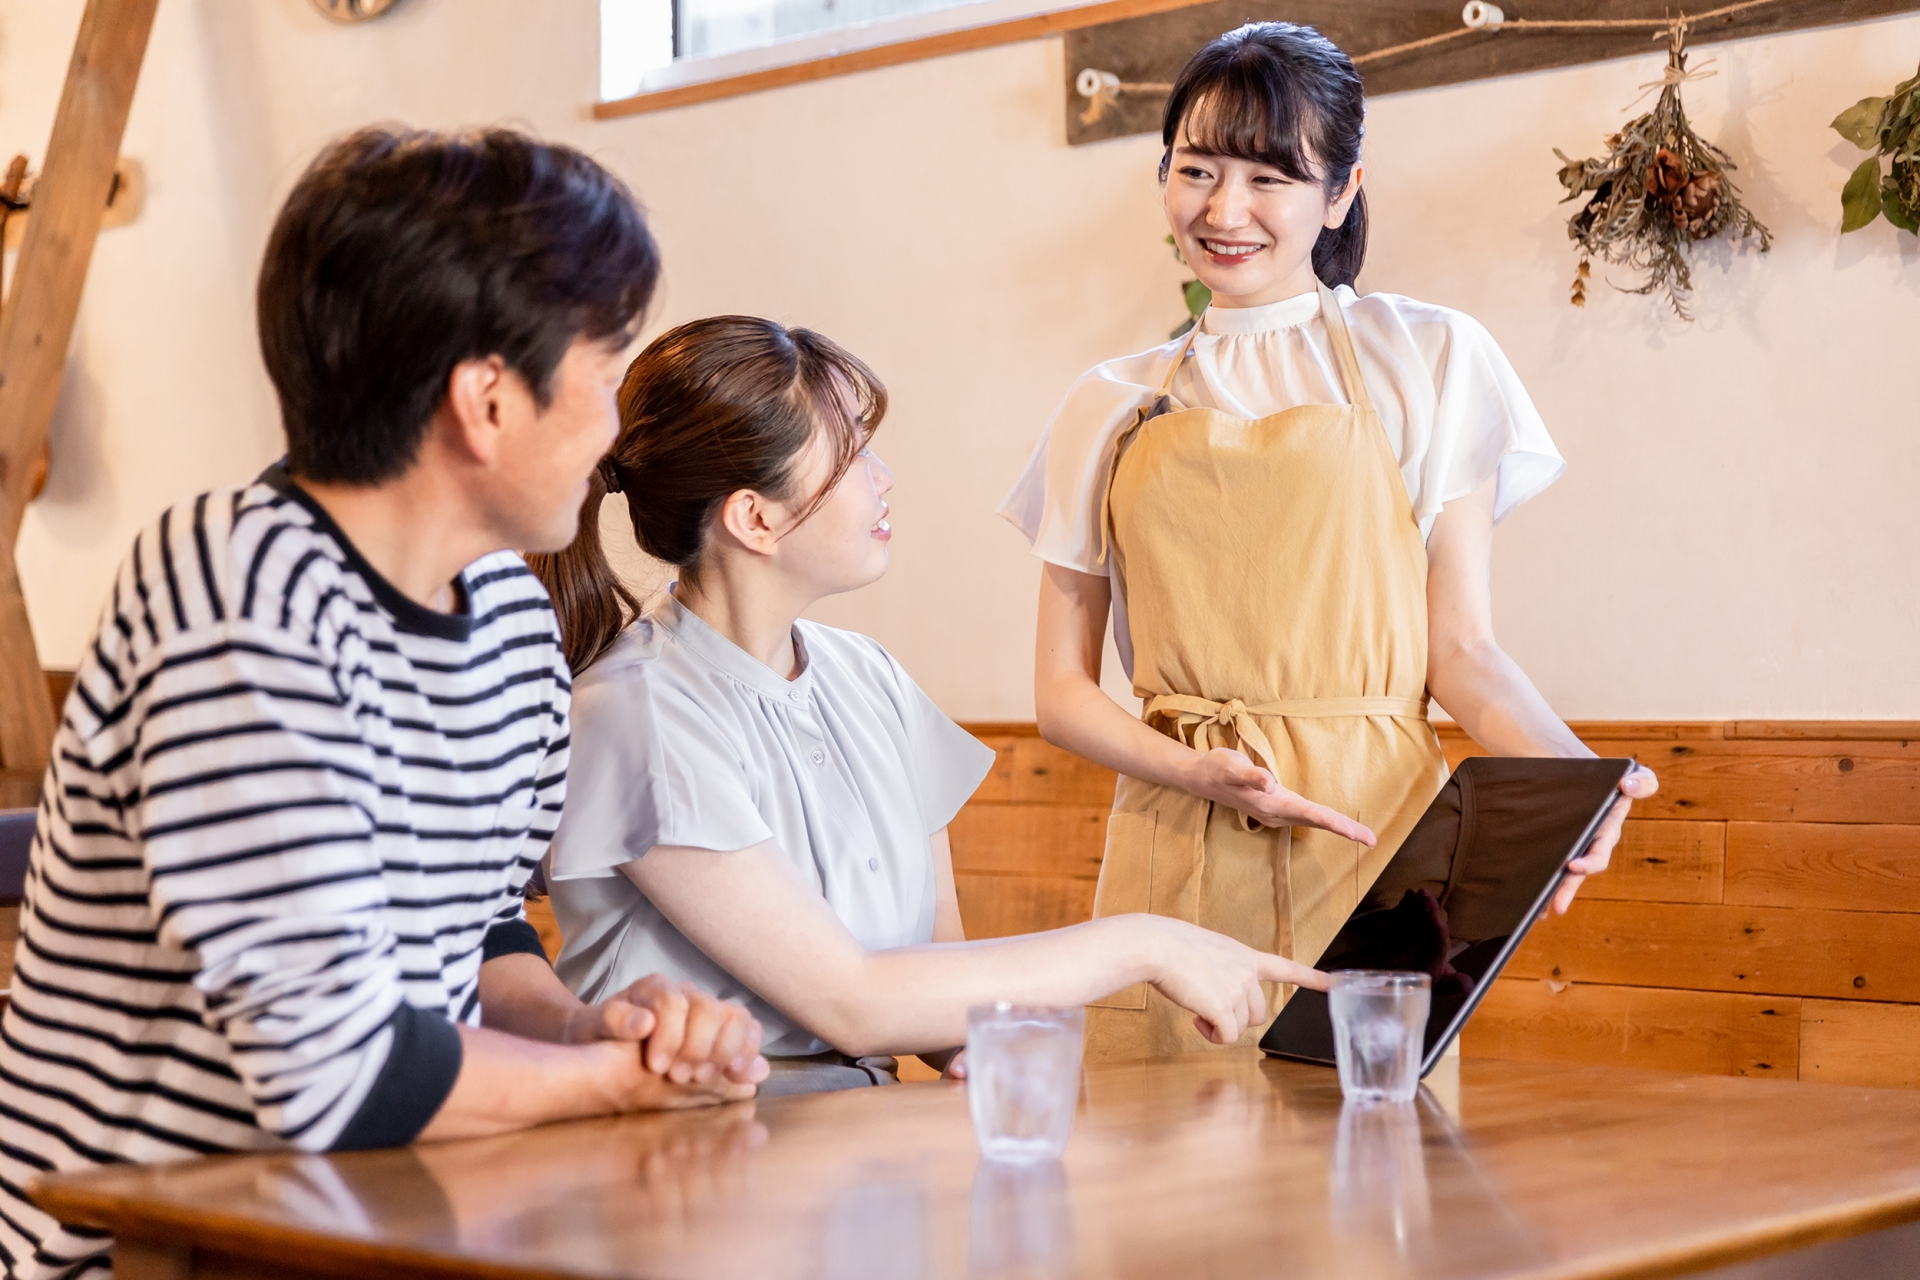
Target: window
x,y
657,44
636,37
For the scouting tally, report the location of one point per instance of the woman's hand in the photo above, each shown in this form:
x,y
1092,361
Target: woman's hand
x,y
1217,979
627,1083
1637,785
690,1036
1228,777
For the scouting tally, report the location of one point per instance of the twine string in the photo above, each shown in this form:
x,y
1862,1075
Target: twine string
x,y
1102,89
1492,23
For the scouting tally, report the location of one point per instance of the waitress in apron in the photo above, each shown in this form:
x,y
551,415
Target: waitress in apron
x,y
1288,515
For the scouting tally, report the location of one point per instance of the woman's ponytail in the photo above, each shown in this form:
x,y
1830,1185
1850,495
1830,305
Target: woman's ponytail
x,y
592,604
1340,251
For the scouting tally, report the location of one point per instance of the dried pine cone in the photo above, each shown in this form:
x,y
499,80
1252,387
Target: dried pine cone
x,y
1667,174
1692,207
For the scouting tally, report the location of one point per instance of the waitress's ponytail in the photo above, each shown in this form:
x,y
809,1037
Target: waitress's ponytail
x,y
592,604
1340,251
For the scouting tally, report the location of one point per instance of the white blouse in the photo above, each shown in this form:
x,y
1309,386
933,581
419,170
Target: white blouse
x,y
682,738
1454,410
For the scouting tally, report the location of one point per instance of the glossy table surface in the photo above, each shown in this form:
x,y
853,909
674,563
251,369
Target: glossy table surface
x,y
1220,1165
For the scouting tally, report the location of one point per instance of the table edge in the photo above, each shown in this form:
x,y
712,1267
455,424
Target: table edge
x,y
172,1226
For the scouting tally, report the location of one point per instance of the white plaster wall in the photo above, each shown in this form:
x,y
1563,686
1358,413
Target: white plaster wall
x,y
1734,537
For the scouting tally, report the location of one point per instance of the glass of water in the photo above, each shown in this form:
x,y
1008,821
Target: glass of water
x,y
1379,1032
1023,1079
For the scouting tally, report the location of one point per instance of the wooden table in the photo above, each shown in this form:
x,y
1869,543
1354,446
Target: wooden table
x,y
1221,1165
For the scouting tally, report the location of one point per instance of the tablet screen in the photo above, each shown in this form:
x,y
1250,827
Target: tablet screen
x,y
1461,892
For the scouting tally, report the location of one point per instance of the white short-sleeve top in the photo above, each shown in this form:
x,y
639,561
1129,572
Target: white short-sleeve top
x,y
681,738
1454,410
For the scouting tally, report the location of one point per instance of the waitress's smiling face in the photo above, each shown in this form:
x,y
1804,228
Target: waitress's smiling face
x,y
843,545
1246,228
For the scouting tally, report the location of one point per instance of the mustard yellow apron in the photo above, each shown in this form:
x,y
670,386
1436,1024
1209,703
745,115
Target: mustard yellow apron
x,y
1276,589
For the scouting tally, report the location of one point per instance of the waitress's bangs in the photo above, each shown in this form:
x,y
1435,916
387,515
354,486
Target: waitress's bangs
x,y
1248,113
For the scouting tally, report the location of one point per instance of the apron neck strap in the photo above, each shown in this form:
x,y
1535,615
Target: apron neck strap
x,y
1166,383
1343,353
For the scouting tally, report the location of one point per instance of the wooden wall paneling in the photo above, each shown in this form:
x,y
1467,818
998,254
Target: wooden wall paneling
x,y
1153,48
9,942
1658,860
1779,781
1828,730
1860,1042
1001,906
1840,955
1022,839
540,916
37,323
1044,774
1838,866
1724,1034
1027,846
1707,775
998,786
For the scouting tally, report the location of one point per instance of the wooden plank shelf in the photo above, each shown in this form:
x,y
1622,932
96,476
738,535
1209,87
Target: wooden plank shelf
x,y
1152,48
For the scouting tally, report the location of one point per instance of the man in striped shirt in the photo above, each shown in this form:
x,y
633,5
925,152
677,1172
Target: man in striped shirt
x,y
319,742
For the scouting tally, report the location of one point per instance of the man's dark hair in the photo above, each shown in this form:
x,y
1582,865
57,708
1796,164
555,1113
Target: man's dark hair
x,y
402,253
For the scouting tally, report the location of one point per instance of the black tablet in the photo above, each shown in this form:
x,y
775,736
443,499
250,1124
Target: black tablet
x,y
1462,891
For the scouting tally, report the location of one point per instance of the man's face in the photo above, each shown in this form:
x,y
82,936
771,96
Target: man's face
x,y
545,456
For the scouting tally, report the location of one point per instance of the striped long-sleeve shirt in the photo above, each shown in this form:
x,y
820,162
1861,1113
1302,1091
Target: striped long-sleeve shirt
x,y
289,814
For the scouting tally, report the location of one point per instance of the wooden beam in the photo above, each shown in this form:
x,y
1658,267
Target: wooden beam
x,y
37,324
26,713
1153,48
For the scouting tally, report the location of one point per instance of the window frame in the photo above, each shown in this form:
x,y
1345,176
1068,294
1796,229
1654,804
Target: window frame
x,y
881,44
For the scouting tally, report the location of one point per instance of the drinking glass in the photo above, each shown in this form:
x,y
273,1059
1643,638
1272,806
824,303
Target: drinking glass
x,y
1023,1079
1379,1032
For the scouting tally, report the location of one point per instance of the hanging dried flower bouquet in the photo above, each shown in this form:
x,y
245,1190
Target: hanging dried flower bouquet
x,y
1659,188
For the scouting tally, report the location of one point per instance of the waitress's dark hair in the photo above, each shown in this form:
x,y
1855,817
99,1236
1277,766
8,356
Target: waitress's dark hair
x,y
1281,95
708,409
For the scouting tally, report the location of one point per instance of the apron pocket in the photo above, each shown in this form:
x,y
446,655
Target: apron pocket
x,y
1126,886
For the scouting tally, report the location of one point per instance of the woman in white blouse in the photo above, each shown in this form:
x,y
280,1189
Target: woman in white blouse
x,y
758,804
1288,515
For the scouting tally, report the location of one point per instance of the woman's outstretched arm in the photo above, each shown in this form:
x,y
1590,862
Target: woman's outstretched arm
x,y
751,911
1484,689
1076,715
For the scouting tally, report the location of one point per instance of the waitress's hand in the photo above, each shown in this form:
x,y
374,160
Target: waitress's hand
x,y
1637,785
1215,978
1228,777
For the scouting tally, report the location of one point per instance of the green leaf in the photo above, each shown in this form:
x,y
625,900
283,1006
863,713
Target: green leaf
x,y
1860,123
1197,296
1898,213
1860,198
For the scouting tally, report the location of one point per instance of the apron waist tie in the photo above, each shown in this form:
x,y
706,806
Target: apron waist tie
x,y
1179,711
